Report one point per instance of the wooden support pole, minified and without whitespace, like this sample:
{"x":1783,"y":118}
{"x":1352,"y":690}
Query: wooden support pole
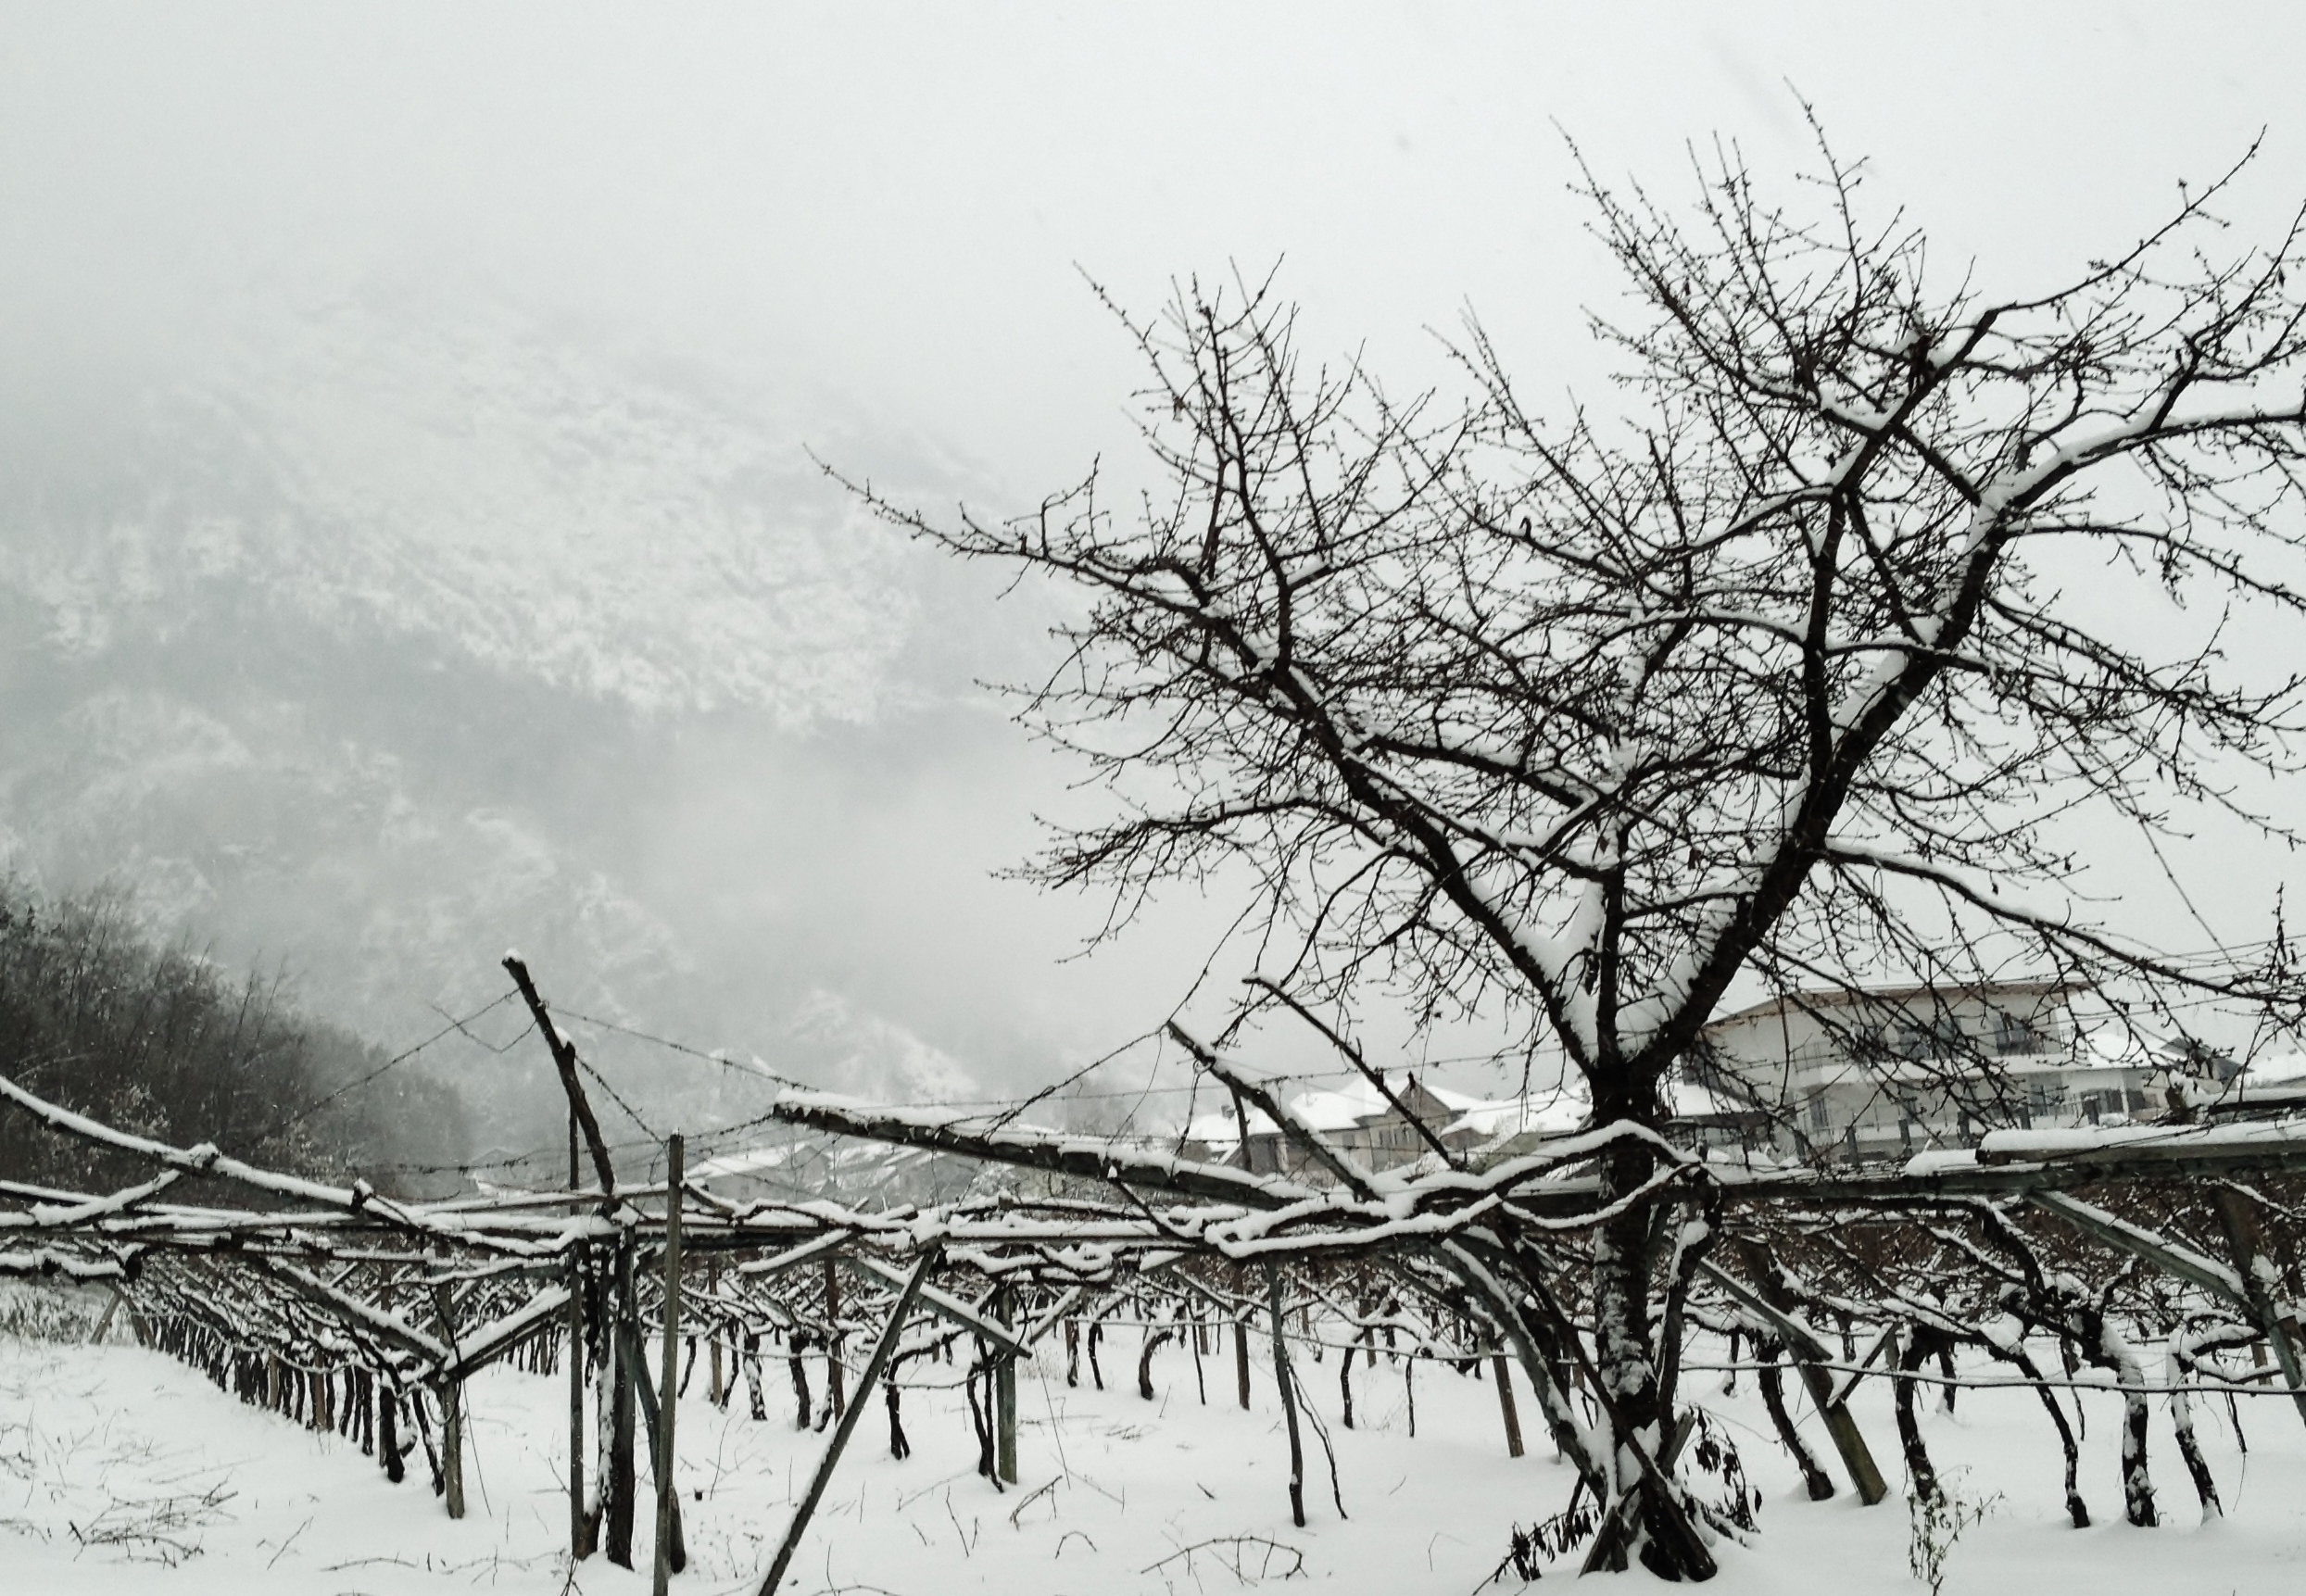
{"x":580,"y":1527}
{"x":644,"y":1390}
{"x":1809,"y":1355}
{"x":2246,"y":1241}
{"x":1005,"y":1395}
{"x":718,"y":1393}
{"x":621,"y":1482}
{"x":998,"y":1334}
{"x":564,"y":1061}
{"x":1240,"y":1341}
{"x":1505,"y":1403}
{"x":2169,"y":1257}
{"x":668,"y":1388}
{"x":873,"y":1367}
{"x":451,"y":1412}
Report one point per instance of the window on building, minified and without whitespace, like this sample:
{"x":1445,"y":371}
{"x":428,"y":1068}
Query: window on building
{"x":2014,"y":1035}
{"x":1818,"y":1118}
{"x":1935,"y":1038}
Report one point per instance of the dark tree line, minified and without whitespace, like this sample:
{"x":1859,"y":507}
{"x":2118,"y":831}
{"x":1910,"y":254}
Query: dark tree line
{"x":157,"y":1038}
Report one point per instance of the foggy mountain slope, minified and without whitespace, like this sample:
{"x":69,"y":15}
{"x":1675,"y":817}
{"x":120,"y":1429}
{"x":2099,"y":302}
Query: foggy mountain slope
{"x":369,"y":647}
{"x":527,"y":501}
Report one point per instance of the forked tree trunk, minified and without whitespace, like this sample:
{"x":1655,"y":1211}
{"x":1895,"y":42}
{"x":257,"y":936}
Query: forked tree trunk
{"x":1624,"y":1354}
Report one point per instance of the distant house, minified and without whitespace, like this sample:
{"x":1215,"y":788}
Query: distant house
{"x":1359,"y":1122}
{"x":1862,"y":1075}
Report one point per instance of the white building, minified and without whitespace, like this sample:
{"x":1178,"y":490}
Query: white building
{"x":1862,"y":1076}
{"x":1361,"y":1124}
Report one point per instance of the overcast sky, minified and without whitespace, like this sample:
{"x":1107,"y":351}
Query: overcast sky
{"x":410,"y":546}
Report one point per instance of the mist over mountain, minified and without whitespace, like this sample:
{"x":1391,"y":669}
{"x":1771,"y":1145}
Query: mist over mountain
{"x":369,"y":640}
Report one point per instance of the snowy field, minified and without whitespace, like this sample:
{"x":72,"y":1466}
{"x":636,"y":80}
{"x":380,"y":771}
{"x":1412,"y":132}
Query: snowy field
{"x":122,"y":1470}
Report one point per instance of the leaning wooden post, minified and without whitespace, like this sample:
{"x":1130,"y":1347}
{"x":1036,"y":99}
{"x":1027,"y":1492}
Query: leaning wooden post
{"x":451,"y":1410}
{"x":824,"y":1475}
{"x":1005,"y":1395}
{"x":1769,"y":1298}
{"x":668,"y":1387}
{"x":1288,"y":1404}
{"x":1505,"y":1403}
{"x":2247,"y":1244}
{"x":564,"y":1060}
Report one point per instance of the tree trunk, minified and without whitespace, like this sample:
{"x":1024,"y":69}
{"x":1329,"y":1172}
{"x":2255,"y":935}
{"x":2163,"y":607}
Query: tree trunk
{"x":1921,"y":1474}
{"x":1283,"y":1378}
{"x":836,"y":1403}
{"x":1624,"y":1357}
{"x":751,"y":1361}
{"x":1814,"y":1477}
{"x":802,"y":1400}
{"x":1154,"y":1340}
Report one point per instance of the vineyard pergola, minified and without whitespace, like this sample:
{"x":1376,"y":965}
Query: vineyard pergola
{"x":2050,"y":1252}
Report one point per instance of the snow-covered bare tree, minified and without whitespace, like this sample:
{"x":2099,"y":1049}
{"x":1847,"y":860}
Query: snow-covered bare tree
{"x":1776,"y":675}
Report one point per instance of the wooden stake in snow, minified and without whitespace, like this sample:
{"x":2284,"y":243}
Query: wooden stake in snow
{"x":622,"y":1330}
{"x":1240,"y":1344}
{"x":1505,"y":1404}
{"x":668,"y":1388}
{"x":451,"y":1413}
{"x":564,"y":1060}
{"x":580,"y":1527}
{"x":1768,"y":1298}
{"x":1005,"y":1396}
{"x":2247,"y":1244}
{"x":718,"y":1395}
{"x":873,"y":1367}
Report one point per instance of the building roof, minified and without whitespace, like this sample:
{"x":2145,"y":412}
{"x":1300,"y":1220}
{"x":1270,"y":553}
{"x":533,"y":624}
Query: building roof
{"x":1854,"y":997}
{"x":1358,"y":1100}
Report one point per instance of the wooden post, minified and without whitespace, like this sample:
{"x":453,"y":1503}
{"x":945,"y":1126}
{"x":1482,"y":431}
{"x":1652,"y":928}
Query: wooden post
{"x":1769,"y":1298}
{"x":451,"y":1410}
{"x":1505,"y":1403}
{"x":668,"y":1387}
{"x":645,"y":1404}
{"x":580,"y":1538}
{"x":719,"y":1392}
{"x":621,"y":1331}
{"x":1288,"y":1405}
{"x":1005,"y":1395}
{"x":1241,"y":1345}
{"x":564,"y":1060}
{"x":873,"y":1367}
{"x":581,"y":1526}
{"x":2247,"y":1244}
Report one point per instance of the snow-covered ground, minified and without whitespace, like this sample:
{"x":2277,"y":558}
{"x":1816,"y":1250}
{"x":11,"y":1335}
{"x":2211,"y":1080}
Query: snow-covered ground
{"x":121,"y":1470}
